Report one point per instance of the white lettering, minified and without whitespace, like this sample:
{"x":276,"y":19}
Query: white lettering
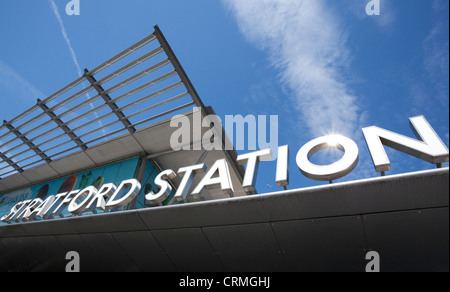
{"x":30,"y":209}
{"x":165,"y":187}
{"x":223,"y":179}
{"x":40,"y":211}
{"x":282,"y":176}
{"x":98,"y":202}
{"x":14,"y":210}
{"x":252,"y":161}
{"x":118,"y":200}
{"x":332,"y":171}
{"x":429,"y":147}
{"x":85,"y":195}
{"x":188,"y":174}
{"x":21,"y":212}
{"x":66,"y":201}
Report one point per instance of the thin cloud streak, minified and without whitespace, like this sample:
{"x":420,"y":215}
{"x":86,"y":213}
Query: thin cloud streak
{"x":20,"y":90}
{"x":72,"y":53}
{"x":66,"y":38}
{"x":306,"y":43}
{"x":17,"y":85}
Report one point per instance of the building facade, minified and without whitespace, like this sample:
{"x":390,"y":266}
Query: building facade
{"x":106,"y":137}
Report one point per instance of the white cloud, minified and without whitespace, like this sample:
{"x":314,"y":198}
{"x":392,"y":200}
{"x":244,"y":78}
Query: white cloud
{"x":430,"y":89}
{"x":308,"y":45}
{"x":436,"y":48}
{"x":387,"y":15}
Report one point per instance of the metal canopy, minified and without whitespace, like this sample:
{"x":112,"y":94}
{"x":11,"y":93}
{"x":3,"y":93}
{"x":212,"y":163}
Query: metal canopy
{"x":140,"y":86}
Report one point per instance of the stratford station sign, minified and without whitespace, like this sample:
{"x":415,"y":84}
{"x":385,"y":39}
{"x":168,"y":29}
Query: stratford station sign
{"x":110,"y":198}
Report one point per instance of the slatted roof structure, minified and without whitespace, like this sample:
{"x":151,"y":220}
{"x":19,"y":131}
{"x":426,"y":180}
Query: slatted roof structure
{"x":135,"y":90}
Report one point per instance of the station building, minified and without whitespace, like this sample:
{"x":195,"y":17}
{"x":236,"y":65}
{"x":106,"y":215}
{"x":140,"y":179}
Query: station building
{"x":114,"y":124}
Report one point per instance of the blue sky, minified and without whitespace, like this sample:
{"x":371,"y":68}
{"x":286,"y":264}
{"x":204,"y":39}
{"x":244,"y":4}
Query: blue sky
{"x":322,"y":65}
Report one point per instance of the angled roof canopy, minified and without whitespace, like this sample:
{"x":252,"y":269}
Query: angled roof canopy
{"x":135,"y":92}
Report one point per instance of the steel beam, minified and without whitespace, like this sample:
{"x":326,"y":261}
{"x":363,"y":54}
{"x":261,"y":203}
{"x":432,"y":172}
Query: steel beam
{"x":108,"y":101}
{"x":61,"y":125}
{"x":27,"y":142}
{"x":10,"y":162}
{"x":178,"y":68}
